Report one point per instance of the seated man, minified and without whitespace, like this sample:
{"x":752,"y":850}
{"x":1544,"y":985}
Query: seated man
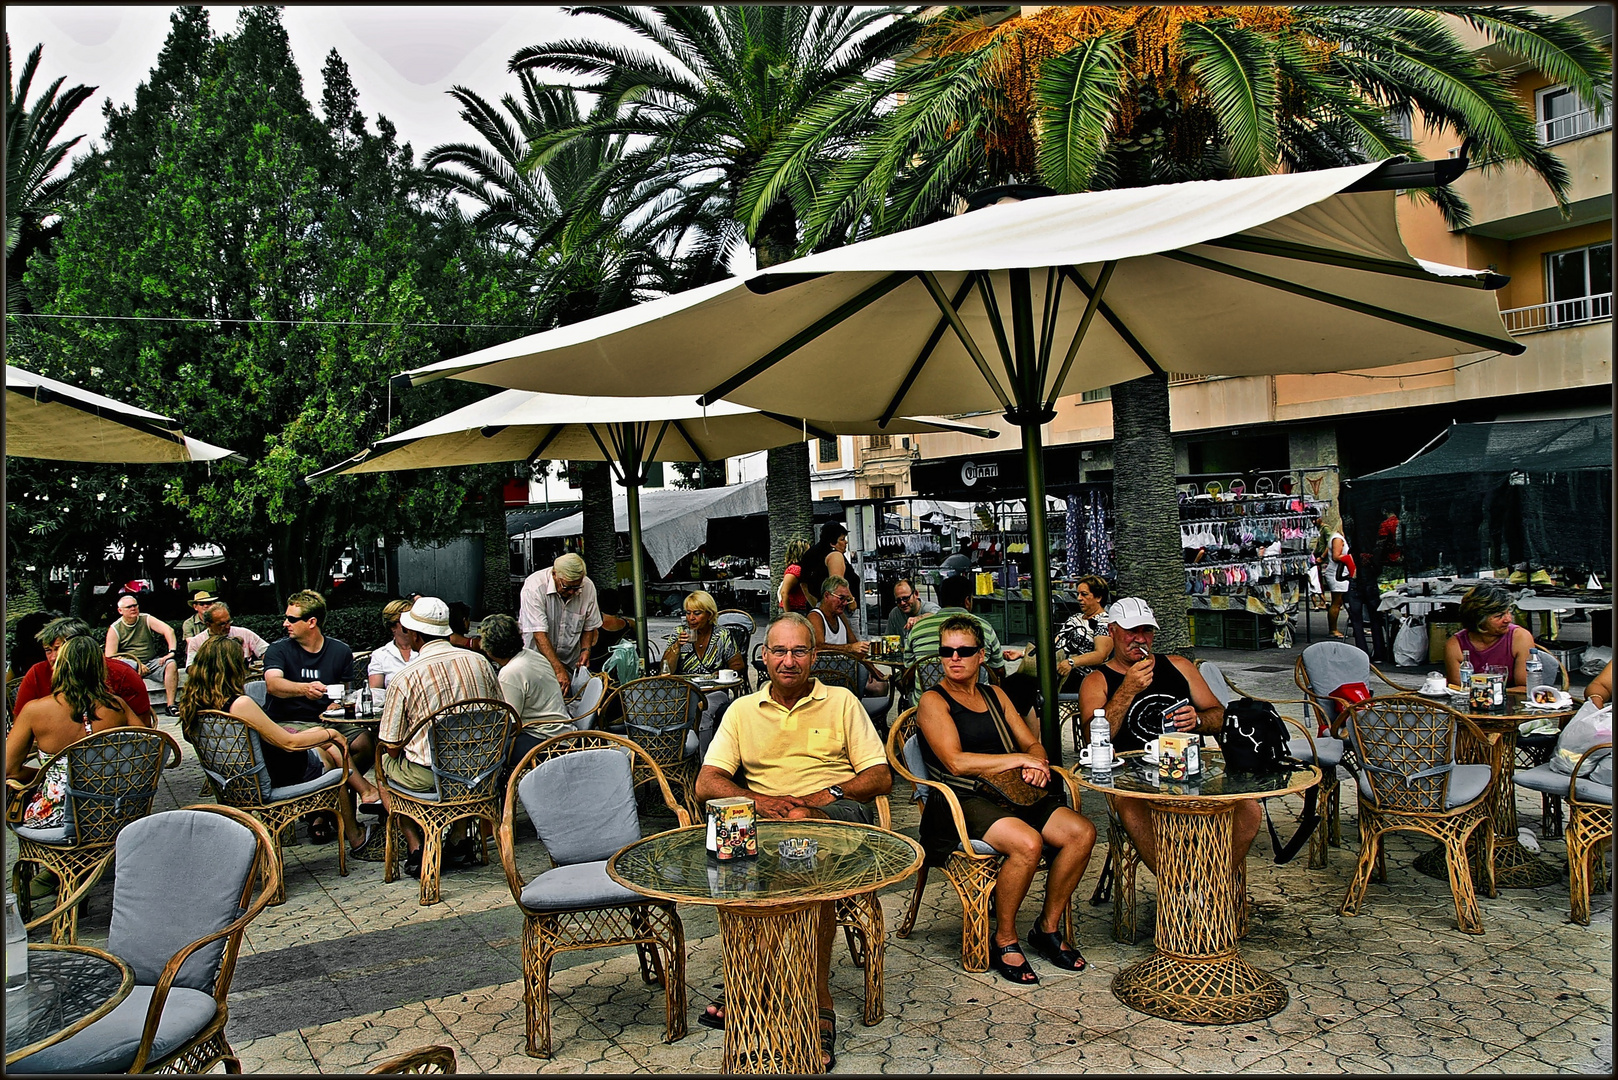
{"x":954,"y":598}
{"x":201,"y":601}
{"x":36,"y":681}
{"x":439,"y":676}
{"x":529,"y":684}
{"x":1136,"y":689}
{"x":143,"y":638}
{"x":806,"y":750}
{"x":216,"y":620}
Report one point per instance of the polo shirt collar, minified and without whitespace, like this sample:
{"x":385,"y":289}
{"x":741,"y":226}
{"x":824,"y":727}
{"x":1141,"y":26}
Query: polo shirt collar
{"x":817,"y":692}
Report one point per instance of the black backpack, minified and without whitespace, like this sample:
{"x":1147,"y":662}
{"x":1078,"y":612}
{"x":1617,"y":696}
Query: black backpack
{"x":1254,"y":741}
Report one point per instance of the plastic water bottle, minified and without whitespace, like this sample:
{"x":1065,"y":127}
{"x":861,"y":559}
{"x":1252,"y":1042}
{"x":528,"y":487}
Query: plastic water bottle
{"x":16,"y":946}
{"x":1100,"y":744}
{"x":1536,"y":669}
{"x":1466,"y":671}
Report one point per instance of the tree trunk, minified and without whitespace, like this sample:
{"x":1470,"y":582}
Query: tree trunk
{"x":496,"y":554}
{"x":786,"y":489}
{"x":600,"y":530}
{"x":1145,"y":512}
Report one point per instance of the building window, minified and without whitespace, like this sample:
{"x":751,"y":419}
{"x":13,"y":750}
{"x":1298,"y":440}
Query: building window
{"x":1401,"y":125}
{"x":1103,"y":394}
{"x":880,"y":442}
{"x":828,"y":450}
{"x":1579,"y":284}
{"x":882,"y":491}
{"x":1562,"y":116}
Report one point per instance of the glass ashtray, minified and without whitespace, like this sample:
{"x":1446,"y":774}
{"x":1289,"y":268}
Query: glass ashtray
{"x":798,"y":847}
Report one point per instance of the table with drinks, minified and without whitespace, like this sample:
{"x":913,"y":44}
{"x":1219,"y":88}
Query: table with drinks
{"x":55,"y":991}
{"x":1196,"y":974}
{"x":768,"y":903}
{"x":1495,"y":708}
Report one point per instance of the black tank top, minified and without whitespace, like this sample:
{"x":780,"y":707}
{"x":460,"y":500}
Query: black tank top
{"x":1144,"y":719}
{"x":978,"y":735}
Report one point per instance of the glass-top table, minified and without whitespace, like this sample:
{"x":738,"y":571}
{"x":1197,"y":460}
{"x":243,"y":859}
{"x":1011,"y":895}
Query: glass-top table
{"x":769,"y":908}
{"x":1196,"y":974}
{"x":69,"y":988}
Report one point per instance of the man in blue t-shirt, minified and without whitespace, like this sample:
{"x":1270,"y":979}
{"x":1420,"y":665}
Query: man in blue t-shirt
{"x":297,"y":670}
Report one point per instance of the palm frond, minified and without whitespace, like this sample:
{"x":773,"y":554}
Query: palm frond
{"x":1236,"y":69}
{"x":1078,"y":94}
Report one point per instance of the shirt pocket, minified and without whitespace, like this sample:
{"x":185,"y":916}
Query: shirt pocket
{"x":823,"y":741}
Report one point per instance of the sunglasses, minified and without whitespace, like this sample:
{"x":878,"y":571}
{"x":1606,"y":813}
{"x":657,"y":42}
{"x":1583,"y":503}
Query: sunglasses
{"x":289,"y":619}
{"x":946,"y":652}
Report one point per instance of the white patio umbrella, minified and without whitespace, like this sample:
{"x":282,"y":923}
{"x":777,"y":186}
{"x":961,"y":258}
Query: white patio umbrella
{"x":1295,"y":273}
{"x":626,"y":432}
{"x":55,"y":420}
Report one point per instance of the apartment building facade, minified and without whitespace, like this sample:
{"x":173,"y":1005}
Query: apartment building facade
{"x":1558,"y":303}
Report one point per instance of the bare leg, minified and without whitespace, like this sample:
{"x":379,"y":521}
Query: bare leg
{"x":171,"y":683}
{"x":1243,"y":828}
{"x":825,"y":940}
{"x":361,"y":755}
{"x":1137,"y":823}
{"x":1074,"y":837}
{"x":1334,"y":611}
{"x":1022,"y":847}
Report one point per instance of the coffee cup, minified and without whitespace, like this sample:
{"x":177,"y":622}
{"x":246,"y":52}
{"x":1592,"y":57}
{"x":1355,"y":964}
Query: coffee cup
{"x":1151,"y":749}
{"x":334,"y":691}
{"x":727,"y":675}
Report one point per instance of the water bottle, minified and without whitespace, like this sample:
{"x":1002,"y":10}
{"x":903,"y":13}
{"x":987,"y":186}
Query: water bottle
{"x":1466,"y":671}
{"x":1536,"y":669}
{"x":1098,"y":755}
{"x":16,"y":946}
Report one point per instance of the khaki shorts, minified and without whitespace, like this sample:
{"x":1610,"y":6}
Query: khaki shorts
{"x":403,"y":772}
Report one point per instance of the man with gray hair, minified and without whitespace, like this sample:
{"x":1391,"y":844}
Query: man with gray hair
{"x":216,"y":623}
{"x":559,"y":614}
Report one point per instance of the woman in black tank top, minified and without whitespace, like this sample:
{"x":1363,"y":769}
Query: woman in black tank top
{"x":969,"y":730}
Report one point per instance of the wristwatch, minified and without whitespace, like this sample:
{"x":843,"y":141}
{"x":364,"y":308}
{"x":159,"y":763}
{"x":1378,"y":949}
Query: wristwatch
{"x":835,"y":791}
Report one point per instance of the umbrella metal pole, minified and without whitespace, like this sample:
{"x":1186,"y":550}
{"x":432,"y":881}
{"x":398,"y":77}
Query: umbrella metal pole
{"x":637,"y":565}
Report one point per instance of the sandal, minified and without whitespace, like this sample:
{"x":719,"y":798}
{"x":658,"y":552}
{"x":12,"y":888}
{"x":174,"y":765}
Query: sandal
{"x":322,"y":829}
{"x":1021,"y":974}
{"x":365,"y":838}
{"x":828,"y":1037}
{"x":1048,"y":943}
{"x":714,"y":1015}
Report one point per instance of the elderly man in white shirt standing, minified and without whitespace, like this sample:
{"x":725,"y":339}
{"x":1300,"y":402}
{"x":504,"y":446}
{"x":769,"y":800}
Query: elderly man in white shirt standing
{"x":559,"y":616}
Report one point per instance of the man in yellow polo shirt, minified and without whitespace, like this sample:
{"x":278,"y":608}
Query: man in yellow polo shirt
{"x":806,"y":750}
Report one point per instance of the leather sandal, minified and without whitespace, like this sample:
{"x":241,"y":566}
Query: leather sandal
{"x":713,"y":1016}
{"x":828,"y":1037}
{"x":1020,"y":974}
{"x":1048,"y":944}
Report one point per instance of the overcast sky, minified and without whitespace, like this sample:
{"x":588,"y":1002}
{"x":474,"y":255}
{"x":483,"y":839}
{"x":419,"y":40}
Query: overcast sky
{"x":402,"y":58}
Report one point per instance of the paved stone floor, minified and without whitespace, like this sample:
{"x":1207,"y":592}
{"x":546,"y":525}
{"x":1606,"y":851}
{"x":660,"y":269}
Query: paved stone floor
{"x":349,"y":972}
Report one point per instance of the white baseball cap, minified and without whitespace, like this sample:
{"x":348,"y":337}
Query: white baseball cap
{"x":1131,"y":612}
{"x":428,"y":615}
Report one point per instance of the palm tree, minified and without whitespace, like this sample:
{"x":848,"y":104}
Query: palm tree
{"x":1086,"y":98}
{"x":715,"y":89}
{"x":32,"y":192}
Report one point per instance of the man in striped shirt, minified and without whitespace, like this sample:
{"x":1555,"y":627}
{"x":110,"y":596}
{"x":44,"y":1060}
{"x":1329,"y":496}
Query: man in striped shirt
{"x":437,"y":676}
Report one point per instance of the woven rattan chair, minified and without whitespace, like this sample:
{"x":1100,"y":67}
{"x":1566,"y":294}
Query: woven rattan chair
{"x":974,"y":865}
{"x":586,"y":707}
{"x":469,"y":741}
{"x":232,"y":757}
{"x":187,"y":884}
{"x":852,"y":674}
{"x":740,"y":625}
{"x":1535,"y":750}
{"x":1324,"y":751}
{"x":112,"y":778}
{"x":660,"y":714}
{"x":1326,"y":665}
{"x":1409,"y":781}
{"x":1589,"y":828}
{"x":578,"y":791}
{"x":423,"y":1059}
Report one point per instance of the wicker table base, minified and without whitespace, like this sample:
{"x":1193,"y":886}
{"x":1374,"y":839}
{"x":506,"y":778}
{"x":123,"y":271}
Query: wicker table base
{"x":1221,"y":990}
{"x":770,"y":1018}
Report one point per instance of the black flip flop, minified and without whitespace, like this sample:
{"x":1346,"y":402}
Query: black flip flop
{"x":1048,"y":944}
{"x":713,"y":1019}
{"x":828,"y":1038}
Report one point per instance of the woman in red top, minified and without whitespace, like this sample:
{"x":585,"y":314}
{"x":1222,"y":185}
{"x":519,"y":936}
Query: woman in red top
{"x":1489,"y":637}
{"x":794,"y":596}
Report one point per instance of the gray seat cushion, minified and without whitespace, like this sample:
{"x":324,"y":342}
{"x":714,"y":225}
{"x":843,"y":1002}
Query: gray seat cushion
{"x":692,"y":744}
{"x":1329,"y":749}
{"x":1466,"y":782}
{"x":330,"y":778}
{"x":180,"y":875}
{"x":578,"y":885}
{"x":980,"y":847}
{"x":582,"y":804}
{"x":1552,"y":781}
{"x":109,"y":1044}
{"x":58,"y":834}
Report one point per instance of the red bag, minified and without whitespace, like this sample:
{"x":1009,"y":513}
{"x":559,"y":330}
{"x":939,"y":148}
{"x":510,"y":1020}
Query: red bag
{"x":1348,"y":694}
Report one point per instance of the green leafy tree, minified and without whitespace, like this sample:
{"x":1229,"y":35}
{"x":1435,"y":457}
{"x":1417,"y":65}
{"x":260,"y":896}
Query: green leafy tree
{"x":1093,"y":97}
{"x":701,"y":99}
{"x":273,"y":269}
{"x":34,"y":188}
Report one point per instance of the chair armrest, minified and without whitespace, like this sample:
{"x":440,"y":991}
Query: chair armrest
{"x":1573,"y":781}
{"x":1314,"y":751}
{"x":1402,"y":689}
{"x":76,"y":895}
{"x":1257,"y":697}
{"x":1073,"y":790}
{"x":884,"y":812}
{"x":1486,"y":742}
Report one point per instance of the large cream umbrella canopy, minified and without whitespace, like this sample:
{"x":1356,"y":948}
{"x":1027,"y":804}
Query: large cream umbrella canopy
{"x":1012,"y":306}
{"x":46,"y":418}
{"x":626,"y":432}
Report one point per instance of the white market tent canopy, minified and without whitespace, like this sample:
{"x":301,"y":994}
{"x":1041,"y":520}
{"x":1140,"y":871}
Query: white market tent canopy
{"x":674,"y":521}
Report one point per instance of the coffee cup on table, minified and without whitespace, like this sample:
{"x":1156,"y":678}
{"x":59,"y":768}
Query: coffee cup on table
{"x":334,"y":691}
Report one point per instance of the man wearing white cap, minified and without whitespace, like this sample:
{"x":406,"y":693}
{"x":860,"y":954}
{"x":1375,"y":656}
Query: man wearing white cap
{"x":1143,"y":693}
{"x":559,"y":615}
{"x":437,"y":676}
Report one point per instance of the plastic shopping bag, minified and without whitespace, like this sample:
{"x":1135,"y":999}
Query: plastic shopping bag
{"x":1410,"y":643}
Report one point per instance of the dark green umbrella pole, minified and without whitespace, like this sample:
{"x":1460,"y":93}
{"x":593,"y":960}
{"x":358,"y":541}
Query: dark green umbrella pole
{"x":637,"y":566}
{"x":631,"y":449}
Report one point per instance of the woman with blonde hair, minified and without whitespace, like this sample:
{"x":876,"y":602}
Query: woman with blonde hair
{"x":217,"y":681}
{"x":80,"y":703}
{"x":388,"y":659}
{"x":702,"y":648}
{"x":794,"y":595}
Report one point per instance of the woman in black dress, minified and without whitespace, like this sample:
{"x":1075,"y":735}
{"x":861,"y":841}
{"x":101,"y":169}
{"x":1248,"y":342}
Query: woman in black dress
{"x":969,"y":730}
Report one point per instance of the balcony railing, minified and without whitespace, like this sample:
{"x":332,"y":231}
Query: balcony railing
{"x":1575,"y":312}
{"x":1560,"y":129}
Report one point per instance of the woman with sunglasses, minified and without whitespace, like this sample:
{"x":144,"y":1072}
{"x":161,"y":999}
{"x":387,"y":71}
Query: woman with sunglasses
{"x":970,"y":730}
{"x":388,"y":659}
